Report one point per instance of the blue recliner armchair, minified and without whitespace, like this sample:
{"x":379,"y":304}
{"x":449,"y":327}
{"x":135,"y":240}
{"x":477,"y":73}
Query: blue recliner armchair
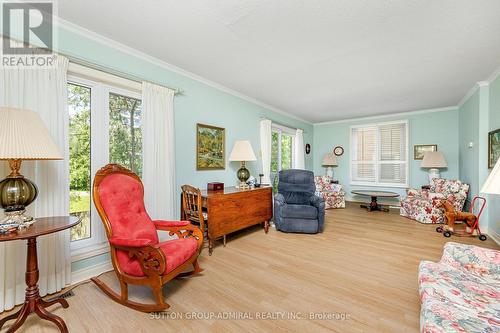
{"x":296,"y":208}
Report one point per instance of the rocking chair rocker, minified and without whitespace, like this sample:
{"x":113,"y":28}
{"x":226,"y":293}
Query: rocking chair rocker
{"x":137,"y":255}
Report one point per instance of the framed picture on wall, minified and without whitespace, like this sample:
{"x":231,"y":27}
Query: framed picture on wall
{"x":210,"y":147}
{"x":493,"y":147}
{"x":420,"y":150}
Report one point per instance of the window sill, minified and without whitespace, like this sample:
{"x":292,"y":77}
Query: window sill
{"x":89,"y":251}
{"x":379,"y":185}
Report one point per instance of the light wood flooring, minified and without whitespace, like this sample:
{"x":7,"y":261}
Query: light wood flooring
{"x":364,"y":267}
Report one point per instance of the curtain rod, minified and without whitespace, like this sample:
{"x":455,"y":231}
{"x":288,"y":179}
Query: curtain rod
{"x":82,"y":62}
{"x":79,"y":61}
{"x":282,"y":125}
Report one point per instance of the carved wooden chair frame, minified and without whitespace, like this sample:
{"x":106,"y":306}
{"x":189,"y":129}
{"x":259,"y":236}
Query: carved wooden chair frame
{"x":151,"y":259}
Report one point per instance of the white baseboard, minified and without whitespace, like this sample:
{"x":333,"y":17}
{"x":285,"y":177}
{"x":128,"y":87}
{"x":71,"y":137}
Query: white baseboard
{"x":88,"y":272}
{"x":494,"y":235}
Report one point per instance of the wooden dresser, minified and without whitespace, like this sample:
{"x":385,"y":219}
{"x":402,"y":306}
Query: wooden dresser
{"x":232,"y":209}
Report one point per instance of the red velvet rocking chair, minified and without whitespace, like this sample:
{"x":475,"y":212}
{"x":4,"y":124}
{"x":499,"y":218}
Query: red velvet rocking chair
{"x":137,"y":255}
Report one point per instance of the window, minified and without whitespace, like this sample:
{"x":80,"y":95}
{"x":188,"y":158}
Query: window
{"x":125,"y":135}
{"x":79,"y":158}
{"x":104,"y":127}
{"x":282,"y":149}
{"x":379,"y":154}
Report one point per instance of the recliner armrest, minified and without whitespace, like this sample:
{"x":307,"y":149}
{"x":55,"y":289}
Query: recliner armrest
{"x":128,"y":242}
{"x":316,"y":201}
{"x":279,"y":199}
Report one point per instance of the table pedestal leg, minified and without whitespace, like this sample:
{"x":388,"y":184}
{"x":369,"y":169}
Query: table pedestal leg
{"x":374,"y":206}
{"x":33,"y":302}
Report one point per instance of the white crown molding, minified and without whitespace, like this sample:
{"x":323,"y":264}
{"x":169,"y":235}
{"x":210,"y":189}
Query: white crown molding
{"x":74,"y":28}
{"x":69,"y":26}
{"x":399,"y":114}
{"x":493,"y":75}
{"x":479,"y":84}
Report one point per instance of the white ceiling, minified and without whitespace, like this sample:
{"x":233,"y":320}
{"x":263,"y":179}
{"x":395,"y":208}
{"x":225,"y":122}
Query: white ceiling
{"x":319,"y":60}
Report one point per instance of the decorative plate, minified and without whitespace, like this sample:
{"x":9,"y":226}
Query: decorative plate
{"x":338,"y":150}
{"x":8,"y":227}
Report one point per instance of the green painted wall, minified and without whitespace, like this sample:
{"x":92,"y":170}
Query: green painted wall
{"x":439,"y":128}
{"x":200,"y":103}
{"x":469,"y":132}
{"x":479,"y":115}
{"x":494,"y":123}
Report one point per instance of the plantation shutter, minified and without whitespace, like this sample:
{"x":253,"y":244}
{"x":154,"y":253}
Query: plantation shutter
{"x":379,"y":154}
{"x":392,"y":153}
{"x":363,"y":164}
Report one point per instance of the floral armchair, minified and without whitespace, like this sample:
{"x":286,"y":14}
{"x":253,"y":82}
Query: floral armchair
{"x":420,"y":205}
{"x":333,"y":194}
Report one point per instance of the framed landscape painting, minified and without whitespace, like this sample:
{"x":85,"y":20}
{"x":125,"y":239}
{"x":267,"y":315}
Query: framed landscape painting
{"x":210,"y":147}
{"x":493,"y":147}
{"x":420,"y":150}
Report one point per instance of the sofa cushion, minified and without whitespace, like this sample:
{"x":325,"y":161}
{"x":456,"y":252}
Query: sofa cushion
{"x":176,"y":252}
{"x":300,"y":212}
{"x":461,"y":293}
{"x":456,"y":301}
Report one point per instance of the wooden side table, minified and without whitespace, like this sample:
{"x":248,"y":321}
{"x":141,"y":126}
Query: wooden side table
{"x":33,"y":302}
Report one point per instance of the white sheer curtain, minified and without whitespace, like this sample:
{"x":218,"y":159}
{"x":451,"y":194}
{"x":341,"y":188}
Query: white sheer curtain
{"x":265,"y":148}
{"x":158,"y":150}
{"x":299,"y":150}
{"x":43,"y":90}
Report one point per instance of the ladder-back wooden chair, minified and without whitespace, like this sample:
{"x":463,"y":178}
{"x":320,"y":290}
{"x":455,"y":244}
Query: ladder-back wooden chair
{"x":192,"y":208}
{"x":137,"y":255}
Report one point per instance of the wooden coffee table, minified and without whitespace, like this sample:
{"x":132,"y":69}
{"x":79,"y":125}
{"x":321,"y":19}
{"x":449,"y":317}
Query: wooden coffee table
{"x":374,"y":206}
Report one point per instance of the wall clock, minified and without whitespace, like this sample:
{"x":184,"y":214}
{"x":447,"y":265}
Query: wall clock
{"x":308,"y":148}
{"x":338,"y":150}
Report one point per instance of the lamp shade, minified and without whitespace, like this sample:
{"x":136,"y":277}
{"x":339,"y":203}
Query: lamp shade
{"x":492,"y":183}
{"x":242,"y":151}
{"x":433,"y":159}
{"x":329,"y":160}
{"x":24,"y":136}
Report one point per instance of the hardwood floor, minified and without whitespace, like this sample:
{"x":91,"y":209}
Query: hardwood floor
{"x":363,"y":266}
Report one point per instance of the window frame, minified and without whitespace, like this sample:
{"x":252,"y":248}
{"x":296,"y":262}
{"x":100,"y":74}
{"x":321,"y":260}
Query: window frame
{"x":101,"y":85}
{"x":280,"y":130}
{"x":377,"y":161}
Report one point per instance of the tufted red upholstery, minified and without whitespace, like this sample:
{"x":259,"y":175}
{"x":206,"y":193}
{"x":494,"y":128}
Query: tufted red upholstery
{"x":122,"y":198}
{"x":176,"y":251}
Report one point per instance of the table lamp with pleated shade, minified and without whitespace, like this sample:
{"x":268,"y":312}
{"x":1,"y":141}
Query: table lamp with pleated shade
{"x":329,"y":161}
{"x":23,"y":136}
{"x":242,"y":152}
{"x":433,"y":160}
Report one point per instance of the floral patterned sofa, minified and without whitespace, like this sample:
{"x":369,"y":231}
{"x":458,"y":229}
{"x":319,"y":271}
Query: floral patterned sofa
{"x":333,"y":194}
{"x":461,"y":293}
{"x":420,"y":205}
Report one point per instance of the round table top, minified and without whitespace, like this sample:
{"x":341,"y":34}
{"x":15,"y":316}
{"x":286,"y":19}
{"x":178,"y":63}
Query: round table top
{"x":385,"y":194}
{"x":42,"y":226}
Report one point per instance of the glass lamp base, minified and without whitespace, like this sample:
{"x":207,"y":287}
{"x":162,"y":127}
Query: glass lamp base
{"x":18,"y":217}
